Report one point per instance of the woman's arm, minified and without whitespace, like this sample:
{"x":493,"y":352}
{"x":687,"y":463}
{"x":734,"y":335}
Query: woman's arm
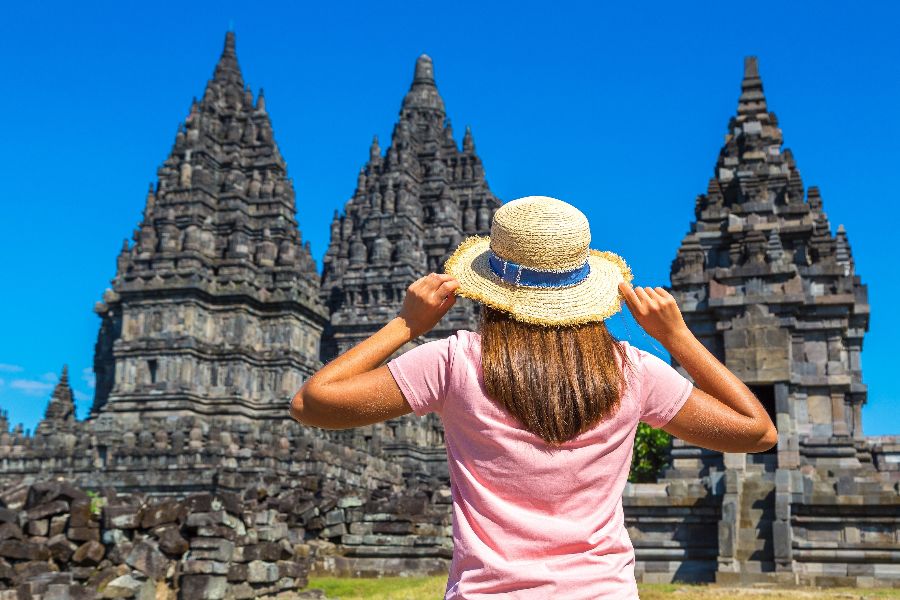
{"x":355,"y":389}
{"x":723,"y":414}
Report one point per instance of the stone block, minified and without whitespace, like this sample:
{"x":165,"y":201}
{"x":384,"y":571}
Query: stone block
{"x":22,"y":550}
{"x":361,"y":528}
{"x":167,"y":511}
{"x":392,"y":527}
{"x":334,"y":516}
{"x":121,"y":517}
{"x":61,"y":549}
{"x":212,"y":549}
{"x":783,"y":506}
{"x":268,"y":551}
{"x":11,"y":531}
{"x":47,"y":509}
{"x":261,"y":572}
{"x":89,"y":553}
{"x":80,"y":514}
{"x":350,"y":501}
{"x":215,"y":518}
{"x":291,"y":568}
{"x":782,"y":538}
{"x":39,"y":527}
{"x":207,"y":502}
{"x":273,"y":533}
{"x":222,"y":531}
{"x":203,"y":587}
{"x":58,"y":524}
{"x":8,"y":516}
{"x":191,"y":566}
{"x":146,"y":557}
{"x":124,"y":586}
{"x":83,"y":534}
{"x":351,"y":539}
{"x":334,"y":530}
{"x":171,"y":542}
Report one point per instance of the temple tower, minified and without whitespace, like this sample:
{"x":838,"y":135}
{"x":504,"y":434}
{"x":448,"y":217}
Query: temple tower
{"x":214,"y":308}
{"x":772,"y":292}
{"x":412,"y":206}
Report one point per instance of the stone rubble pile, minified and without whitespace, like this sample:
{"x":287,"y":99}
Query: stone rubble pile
{"x":57,"y":541}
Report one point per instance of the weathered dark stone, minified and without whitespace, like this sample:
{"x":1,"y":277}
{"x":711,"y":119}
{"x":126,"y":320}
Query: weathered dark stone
{"x":212,"y":549}
{"x":171,"y":541}
{"x":23,"y":550}
{"x":8,"y":516}
{"x":146,"y":557}
{"x":32,"y":569}
{"x":168,"y":511}
{"x":211,"y":587}
{"x":83,"y":534}
{"x":214,"y":502}
{"x":81,"y":514}
{"x":89,"y":553}
{"x":266,"y":551}
{"x":11,"y":531}
{"x":48,"y":491}
{"x":121,"y":517}
{"x":47,"y":509}
{"x":61,"y":549}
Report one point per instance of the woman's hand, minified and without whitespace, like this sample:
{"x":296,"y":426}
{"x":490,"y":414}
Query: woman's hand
{"x":655,"y":310}
{"x":721,"y":412}
{"x":427,"y":301}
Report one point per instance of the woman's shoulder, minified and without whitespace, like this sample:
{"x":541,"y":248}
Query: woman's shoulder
{"x":467,"y":342}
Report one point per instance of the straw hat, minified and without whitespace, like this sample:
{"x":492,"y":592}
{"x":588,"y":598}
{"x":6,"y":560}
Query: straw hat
{"x":537,"y":265}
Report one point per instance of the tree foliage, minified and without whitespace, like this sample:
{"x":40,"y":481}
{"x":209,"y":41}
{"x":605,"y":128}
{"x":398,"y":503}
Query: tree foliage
{"x":650,"y":454}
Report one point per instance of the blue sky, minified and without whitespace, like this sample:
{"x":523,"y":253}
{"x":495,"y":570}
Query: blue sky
{"x":618,"y":108}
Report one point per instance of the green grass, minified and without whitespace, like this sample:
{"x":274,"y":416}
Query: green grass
{"x":386,"y":588}
{"x":425,"y":588}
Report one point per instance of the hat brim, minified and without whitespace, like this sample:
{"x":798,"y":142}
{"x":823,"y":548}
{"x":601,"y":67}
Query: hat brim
{"x":595,"y":298}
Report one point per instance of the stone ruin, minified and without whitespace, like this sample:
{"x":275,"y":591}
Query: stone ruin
{"x":60,"y":542}
{"x":216,"y":316}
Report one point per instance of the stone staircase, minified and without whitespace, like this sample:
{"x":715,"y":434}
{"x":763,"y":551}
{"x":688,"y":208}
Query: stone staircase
{"x":753,"y":559}
{"x":757,"y":512}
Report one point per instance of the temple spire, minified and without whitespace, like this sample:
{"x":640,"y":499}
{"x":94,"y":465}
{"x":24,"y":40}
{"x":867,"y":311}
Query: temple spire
{"x":61,"y":408}
{"x":468,"y":141}
{"x":424,"y":74}
{"x":423,"y":93}
{"x":752,"y":100}
{"x":227,"y":69}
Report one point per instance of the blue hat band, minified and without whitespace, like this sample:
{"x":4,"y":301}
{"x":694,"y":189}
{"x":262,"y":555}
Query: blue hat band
{"x":518,"y":275}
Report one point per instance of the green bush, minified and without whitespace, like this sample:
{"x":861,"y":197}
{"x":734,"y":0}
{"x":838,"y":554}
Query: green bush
{"x":650,"y":454}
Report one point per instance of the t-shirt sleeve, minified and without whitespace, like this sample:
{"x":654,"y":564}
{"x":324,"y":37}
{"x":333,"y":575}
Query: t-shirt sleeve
{"x":423,"y":374}
{"x":663,"y":390}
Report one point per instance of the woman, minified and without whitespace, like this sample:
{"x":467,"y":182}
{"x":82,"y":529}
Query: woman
{"x":539,"y":407}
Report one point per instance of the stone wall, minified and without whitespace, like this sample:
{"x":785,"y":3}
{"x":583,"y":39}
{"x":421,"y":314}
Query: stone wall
{"x":58,"y":542}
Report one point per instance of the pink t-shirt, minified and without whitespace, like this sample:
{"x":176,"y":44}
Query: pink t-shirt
{"x":530,"y":521}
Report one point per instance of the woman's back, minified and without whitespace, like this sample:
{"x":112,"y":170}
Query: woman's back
{"x":537,"y":502}
{"x":531,"y":519}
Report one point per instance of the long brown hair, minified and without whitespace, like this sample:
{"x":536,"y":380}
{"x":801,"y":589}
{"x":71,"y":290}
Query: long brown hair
{"x":558,"y":381}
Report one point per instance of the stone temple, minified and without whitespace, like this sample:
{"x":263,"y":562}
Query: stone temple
{"x":201,"y":486}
